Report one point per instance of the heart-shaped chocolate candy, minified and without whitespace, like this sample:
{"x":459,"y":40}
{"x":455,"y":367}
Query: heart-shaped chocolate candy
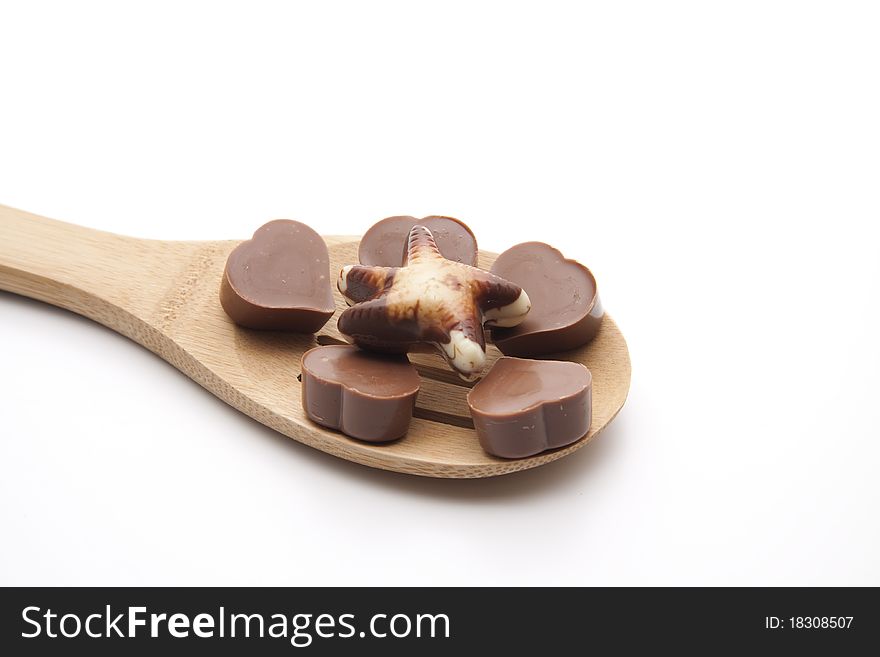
{"x":279,"y":280}
{"x":385,"y":243}
{"x":364,"y":395}
{"x":523,"y":407}
{"x":566,"y":311}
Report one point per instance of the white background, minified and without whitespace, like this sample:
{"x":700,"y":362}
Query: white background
{"x":715,"y":164}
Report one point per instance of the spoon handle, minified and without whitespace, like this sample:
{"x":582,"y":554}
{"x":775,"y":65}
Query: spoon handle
{"x":109,"y":278}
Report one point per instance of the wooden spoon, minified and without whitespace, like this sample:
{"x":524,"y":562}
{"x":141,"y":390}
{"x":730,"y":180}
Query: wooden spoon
{"x":164,"y":296}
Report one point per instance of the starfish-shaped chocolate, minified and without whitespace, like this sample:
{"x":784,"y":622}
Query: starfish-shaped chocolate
{"x":429,"y":300}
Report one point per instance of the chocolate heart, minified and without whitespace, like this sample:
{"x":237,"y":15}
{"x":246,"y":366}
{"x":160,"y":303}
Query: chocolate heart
{"x":384,"y":245}
{"x":522,"y":407}
{"x":566,"y":311}
{"x":279,"y":279}
{"x":364,"y":395}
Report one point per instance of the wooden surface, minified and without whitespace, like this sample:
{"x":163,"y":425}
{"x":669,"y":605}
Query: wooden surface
{"x":164,"y":296}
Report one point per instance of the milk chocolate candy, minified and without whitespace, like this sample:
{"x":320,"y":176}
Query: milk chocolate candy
{"x":430,"y":300}
{"x":279,"y":280}
{"x":385,"y":244}
{"x":566,"y":312}
{"x":523,"y":407}
{"x":364,"y":395}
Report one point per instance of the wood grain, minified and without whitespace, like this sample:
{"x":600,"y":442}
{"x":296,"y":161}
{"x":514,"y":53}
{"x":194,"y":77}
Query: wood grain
{"x":164,"y":296}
